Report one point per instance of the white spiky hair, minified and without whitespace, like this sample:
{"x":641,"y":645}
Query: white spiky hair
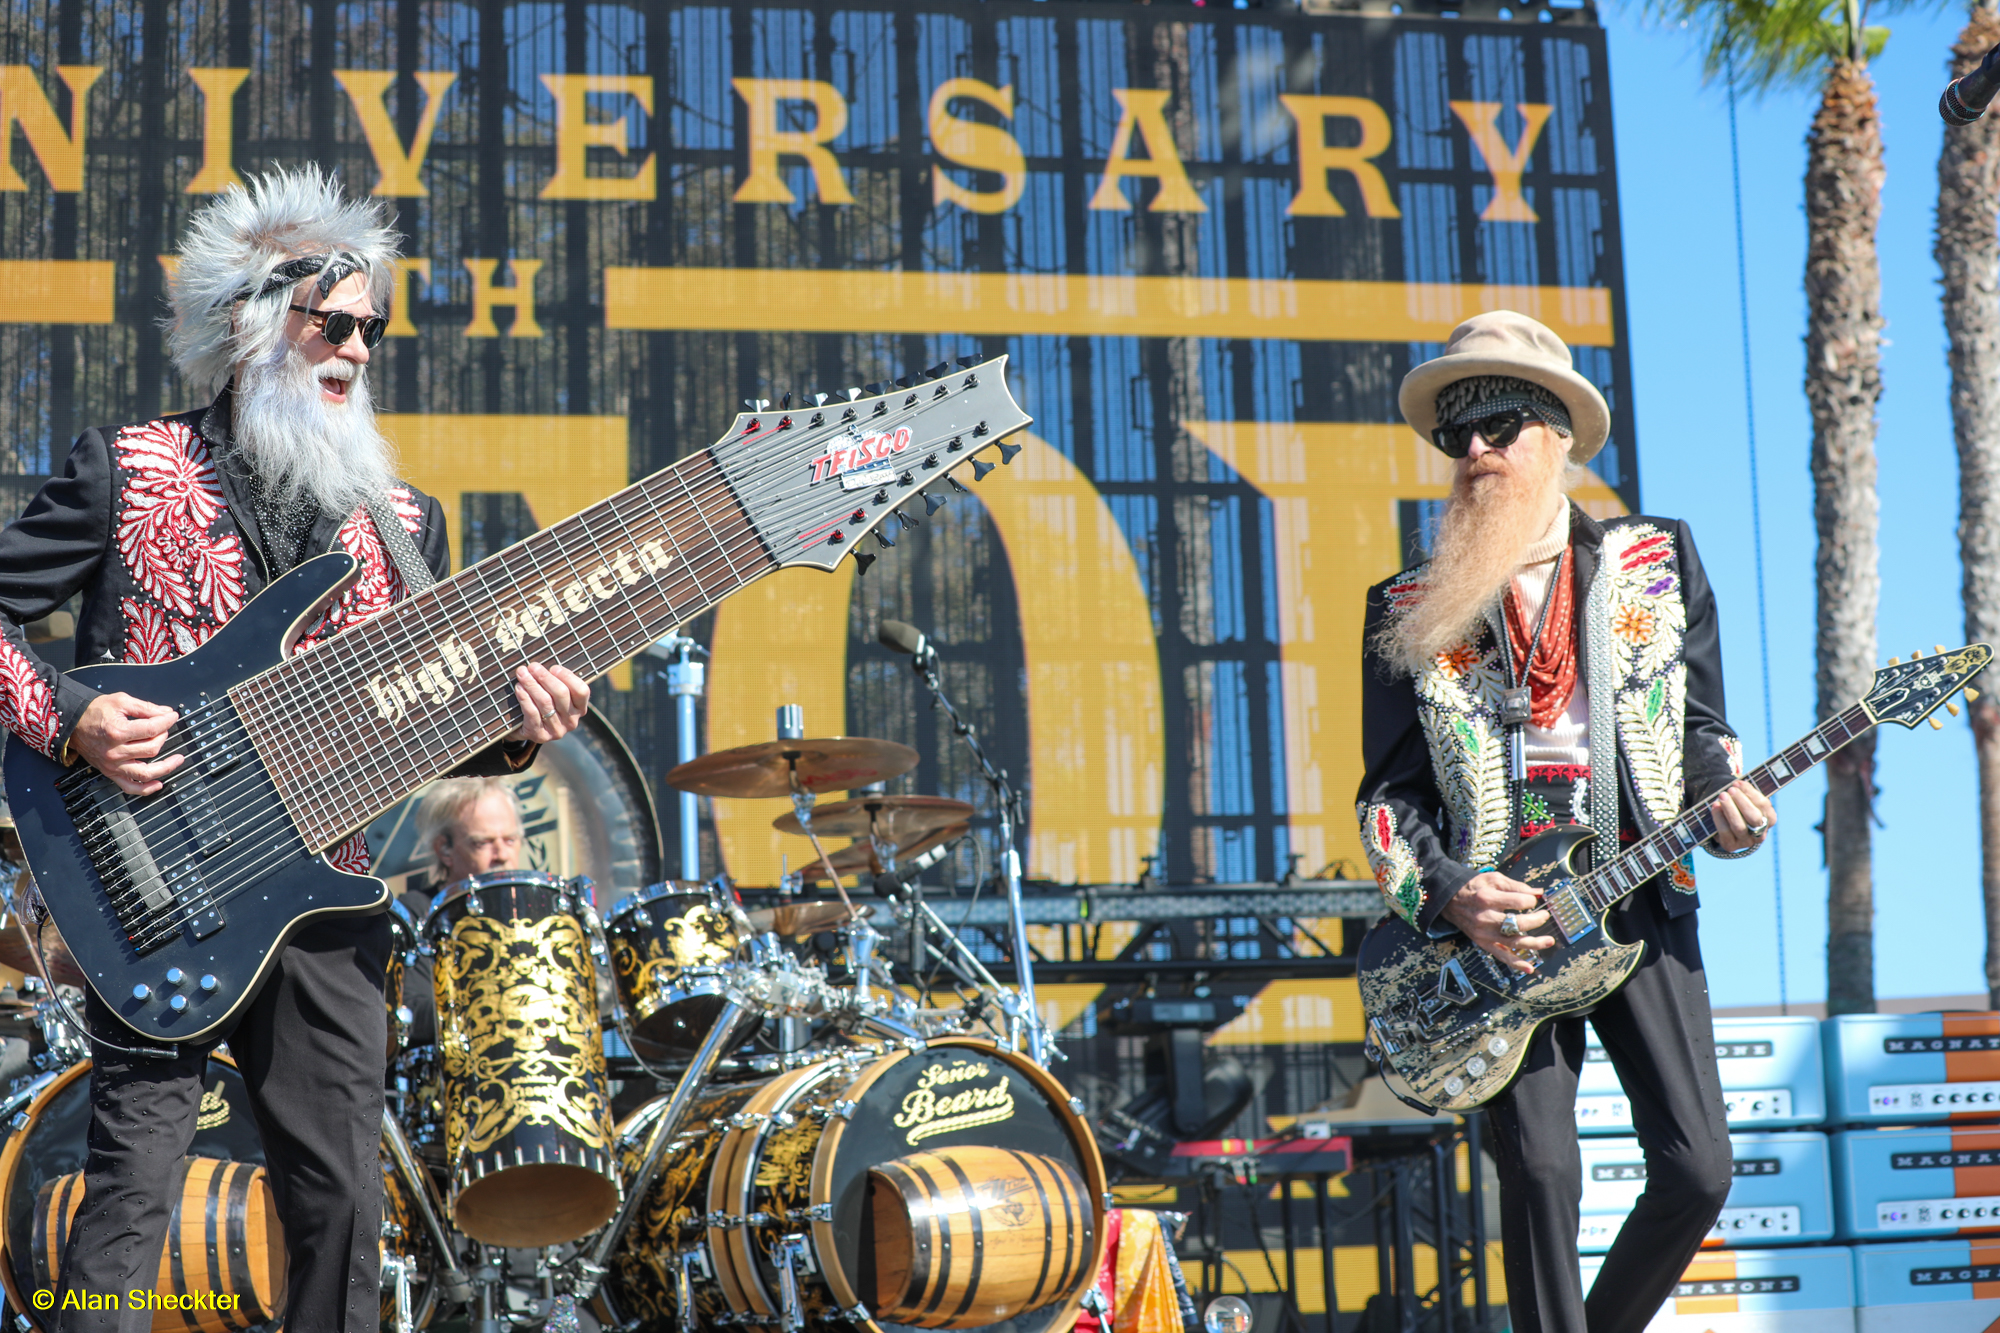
{"x":229,"y":297}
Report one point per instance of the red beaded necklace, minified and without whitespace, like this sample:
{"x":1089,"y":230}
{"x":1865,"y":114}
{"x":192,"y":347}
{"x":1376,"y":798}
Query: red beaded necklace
{"x":1551,"y":674}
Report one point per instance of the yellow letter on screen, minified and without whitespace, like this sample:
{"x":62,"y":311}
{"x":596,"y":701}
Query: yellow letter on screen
{"x":1482,"y":122}
{"x":967,"y":143}
{"x":577,"y":134}
{"x":768,"y":143}
{"x":1144,"y":110}
{"x":401,"y":172}
{"x":1317,"y":157}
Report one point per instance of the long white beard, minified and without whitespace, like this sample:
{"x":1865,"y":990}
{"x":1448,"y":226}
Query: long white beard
{"x":298,"y":444}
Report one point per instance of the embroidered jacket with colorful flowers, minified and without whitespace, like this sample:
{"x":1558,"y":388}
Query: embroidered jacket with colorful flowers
{"x":1433,"y":803}
{"x":152,"y":524}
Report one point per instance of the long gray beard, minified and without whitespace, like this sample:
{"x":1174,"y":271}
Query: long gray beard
{"x":299,"y":446}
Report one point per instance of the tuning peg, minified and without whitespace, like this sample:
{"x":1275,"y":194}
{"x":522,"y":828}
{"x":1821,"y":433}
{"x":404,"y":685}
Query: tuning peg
{"x":932,"y":503}
{"x":1007,"y":452}
{"x":1940,"y":650}
{"x":819,"y":400}
{"x":853,"y":394}
{"x":785,"y":403}
{"x":905,"y":520}
{"x":750,"y":403}
{"x":1952,"y":709}
{"x":1915,"y":654}
{"x":980,"y":469}
{"x":883,"y":539}
{"x":940,"y":370}
{"x":960,"y":487}
{"x":905,"y":381}
{"x":1971,"y":695}
{"x":863,"y":559}
{"x":1895,"y":661}
{"x":1935,"y":724}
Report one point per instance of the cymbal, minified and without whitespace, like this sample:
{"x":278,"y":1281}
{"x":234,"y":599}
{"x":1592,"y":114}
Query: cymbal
{"x":831,"y":763}
{"x":803,"y":918}
{"x":859,"y":858}
{"x":895,"y":819}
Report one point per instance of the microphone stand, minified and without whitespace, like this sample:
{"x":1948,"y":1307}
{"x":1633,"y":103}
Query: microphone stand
{"x":1023,"y":1016}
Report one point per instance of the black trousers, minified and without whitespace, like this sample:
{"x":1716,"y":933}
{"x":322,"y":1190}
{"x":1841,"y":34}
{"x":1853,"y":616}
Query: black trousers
{"x":1658,"y":1034}
{"x":310,"y":1046}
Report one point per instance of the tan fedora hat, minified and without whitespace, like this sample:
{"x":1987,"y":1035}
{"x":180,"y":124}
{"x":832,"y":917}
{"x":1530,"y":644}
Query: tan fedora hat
{"x":1505,"y":342}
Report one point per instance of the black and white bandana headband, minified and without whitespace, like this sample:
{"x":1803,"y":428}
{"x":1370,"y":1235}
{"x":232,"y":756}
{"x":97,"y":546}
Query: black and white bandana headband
{"x":1479,"y":396}
{"x":332,"y":268}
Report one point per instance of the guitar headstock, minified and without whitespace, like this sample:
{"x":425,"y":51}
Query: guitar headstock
{"x":1908,"y":692}
{"x":819,"y":475}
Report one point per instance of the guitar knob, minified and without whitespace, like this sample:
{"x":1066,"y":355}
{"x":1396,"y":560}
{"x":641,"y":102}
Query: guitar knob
{"x":175,"y":976}
{"x":178,"y":1004}
{"x":142,"y":992}
{"x":208,"y":982}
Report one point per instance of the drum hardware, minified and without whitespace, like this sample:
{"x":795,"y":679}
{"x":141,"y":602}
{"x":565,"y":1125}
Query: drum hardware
{"x":888,"y":822}
{"x":689,"y":1259}
{"x":590,"y":1264}
{"x":792,"y":1256}
{"x":452,"y":1282}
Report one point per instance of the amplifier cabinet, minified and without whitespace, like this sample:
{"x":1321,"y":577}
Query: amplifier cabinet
{"x":1808,"y":1290}
{"x":1948,"y":1286}
{"x":1772,"y":1077}
{"x":1898,"y":1184}
{"x":1782,"y":1192}
{"x":1900,"y":1069}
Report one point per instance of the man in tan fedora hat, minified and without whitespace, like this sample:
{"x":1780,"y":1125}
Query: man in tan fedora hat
{"x":1545,"y":668}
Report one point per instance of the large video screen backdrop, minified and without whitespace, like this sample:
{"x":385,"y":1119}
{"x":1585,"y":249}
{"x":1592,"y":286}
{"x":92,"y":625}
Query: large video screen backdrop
{"x":1211,"y":244}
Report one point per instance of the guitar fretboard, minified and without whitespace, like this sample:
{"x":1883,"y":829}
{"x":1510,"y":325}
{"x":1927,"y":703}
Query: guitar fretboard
{"x":1658,"y":850}
{"x":354,"y":724}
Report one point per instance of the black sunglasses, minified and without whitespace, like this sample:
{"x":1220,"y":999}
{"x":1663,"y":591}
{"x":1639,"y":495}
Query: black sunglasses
{"x":1499,"y":430}
{"x":337,"y":326}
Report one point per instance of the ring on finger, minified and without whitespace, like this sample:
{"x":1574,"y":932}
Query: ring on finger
{"x":548,"y":713}
{"x":1758,"y":829}
{"x":1510,"y":925}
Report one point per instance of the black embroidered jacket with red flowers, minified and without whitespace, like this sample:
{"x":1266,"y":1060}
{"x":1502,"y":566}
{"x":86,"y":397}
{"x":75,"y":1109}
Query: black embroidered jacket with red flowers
{"x":153,"y":524}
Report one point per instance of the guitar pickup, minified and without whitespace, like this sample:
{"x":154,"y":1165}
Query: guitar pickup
{"x":1570,"y":915}
{"x":205,"y":827}
{"x":128,"y":850}
{"x":213,"y":731}
{"x":203,"y":919}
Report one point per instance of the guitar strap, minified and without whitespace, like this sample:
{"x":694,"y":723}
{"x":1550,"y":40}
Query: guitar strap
{"x":395,"y":537}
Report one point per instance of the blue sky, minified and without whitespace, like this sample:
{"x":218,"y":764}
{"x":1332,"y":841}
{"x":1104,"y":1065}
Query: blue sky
{"x":1689,"y":382}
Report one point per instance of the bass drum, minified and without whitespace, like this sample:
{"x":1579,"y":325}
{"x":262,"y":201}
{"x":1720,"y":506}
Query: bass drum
{"x":225,"y":1225}
{"x":949,"y":1184}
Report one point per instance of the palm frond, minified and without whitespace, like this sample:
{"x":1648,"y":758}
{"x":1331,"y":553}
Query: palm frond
{"x":1765,"y":44}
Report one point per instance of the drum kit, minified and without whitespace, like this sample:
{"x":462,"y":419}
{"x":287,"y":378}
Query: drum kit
{"x":756,"y":1129}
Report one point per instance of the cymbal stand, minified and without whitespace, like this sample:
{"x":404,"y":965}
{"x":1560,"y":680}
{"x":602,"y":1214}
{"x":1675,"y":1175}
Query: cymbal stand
{"x":1024,"y":1017}
{"x":590,"y":1263}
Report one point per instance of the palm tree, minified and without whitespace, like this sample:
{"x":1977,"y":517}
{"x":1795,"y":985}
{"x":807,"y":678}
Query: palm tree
{"x":1765,"y":44}
{"x":1968,"y":254}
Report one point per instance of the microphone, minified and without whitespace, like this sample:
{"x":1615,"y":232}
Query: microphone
{"x":901,"y":637}
{"x":890,"y":883}
{"x":1966,"y":98}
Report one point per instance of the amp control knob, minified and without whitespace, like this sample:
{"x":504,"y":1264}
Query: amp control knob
{"x":208,"y":981}
{"x":142,"y":992}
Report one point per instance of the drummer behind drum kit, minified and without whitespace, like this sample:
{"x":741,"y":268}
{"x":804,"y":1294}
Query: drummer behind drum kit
{"x":898,"y":1170}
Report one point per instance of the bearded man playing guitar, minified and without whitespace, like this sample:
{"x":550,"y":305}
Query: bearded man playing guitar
{"x":166,"y":528}
{"x":1545,"y":668}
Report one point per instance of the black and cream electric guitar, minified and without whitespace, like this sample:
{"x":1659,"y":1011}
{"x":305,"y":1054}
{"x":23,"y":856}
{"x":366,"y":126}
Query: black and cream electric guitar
{"x":1454,"y":1025}
{"x":175,"y":904}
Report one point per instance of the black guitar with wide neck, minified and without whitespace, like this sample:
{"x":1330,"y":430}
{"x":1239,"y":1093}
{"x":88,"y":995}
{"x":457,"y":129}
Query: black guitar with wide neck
{"x":175,"y":904}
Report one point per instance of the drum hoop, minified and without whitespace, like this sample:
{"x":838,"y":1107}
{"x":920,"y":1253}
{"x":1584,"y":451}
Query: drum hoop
{"x":667,"y":888}
{"x":828,"y":1149}
{"x":460,"y":888}
{"x":730,"y":1181}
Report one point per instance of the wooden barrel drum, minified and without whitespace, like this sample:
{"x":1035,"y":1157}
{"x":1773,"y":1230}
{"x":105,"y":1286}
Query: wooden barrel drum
{"x":969,"y":1236}
{"x":223,"y":1239}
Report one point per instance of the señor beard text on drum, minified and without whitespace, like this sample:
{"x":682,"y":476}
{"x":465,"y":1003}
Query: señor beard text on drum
{"x":925,"y":1113}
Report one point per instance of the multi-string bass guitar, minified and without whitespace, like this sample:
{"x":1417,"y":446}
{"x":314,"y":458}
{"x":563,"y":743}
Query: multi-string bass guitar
{"x":175,"y":904}
{"x":1454,"y":1025}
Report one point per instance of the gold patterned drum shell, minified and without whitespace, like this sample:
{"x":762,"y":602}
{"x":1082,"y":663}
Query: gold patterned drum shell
{"x":795,"y":1158}
{"x":674,"y":949}
{"x":526,"y":1109}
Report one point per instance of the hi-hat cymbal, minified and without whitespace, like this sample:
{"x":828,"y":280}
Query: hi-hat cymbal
{"x":859,"y":859}
{"x":803,"y":918}
{"x":894,"y":819}
{"x":831,"y":763}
